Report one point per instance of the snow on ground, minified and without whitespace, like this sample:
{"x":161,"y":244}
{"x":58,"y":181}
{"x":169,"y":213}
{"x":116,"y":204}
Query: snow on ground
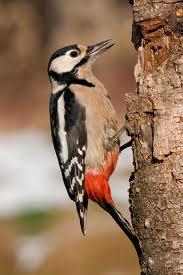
{"x":30,"y":176}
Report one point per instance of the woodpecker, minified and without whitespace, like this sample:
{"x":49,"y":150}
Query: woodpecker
{"x":85,"y":131}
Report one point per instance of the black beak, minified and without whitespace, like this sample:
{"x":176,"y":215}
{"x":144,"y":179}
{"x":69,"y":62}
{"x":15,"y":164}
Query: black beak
{"x":97,"y":49}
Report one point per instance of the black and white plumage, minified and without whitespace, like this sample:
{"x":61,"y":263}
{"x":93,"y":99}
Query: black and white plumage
{"x":85,"y":131}
{"x":67,"y":118}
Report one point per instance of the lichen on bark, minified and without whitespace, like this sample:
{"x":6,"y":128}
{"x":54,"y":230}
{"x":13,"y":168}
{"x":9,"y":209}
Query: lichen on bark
{"x":156,"y":114}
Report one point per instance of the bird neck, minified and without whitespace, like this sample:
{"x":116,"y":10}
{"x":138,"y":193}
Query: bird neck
{"x":82,"y":76}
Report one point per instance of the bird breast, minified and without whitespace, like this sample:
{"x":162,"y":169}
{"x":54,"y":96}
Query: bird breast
{"x":101,"y":122}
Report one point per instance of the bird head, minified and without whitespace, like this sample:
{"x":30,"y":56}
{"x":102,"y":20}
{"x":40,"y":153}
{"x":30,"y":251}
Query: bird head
{"x":66,"y":62}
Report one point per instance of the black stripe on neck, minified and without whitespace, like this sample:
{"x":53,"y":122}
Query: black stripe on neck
{"x":69,"y":78}
{"x":64,"y":78}
{"x":83,"y":82}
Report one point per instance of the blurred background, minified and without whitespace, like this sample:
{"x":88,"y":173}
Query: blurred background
{"x":39,"y":228}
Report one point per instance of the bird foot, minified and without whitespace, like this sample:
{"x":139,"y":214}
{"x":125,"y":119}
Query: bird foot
{"x":116,"y":138}
{"x":130,"y":132}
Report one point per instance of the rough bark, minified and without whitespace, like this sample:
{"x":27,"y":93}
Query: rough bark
{"x":155,"y":113}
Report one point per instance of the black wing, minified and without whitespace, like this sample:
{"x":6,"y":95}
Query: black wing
{"x":73,"y":169}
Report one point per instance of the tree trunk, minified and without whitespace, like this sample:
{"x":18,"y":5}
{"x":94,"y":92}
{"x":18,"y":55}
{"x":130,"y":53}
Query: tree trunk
{"x":155,"y":113}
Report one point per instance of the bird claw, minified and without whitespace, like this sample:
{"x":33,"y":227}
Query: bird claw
{"x":116,"y":138}
{"x":130,"y":132}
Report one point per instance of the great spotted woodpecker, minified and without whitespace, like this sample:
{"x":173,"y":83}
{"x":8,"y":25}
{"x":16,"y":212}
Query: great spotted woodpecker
{"x":85,"y":131}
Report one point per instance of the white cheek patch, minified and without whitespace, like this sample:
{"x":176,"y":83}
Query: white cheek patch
{"x":65,"y":63}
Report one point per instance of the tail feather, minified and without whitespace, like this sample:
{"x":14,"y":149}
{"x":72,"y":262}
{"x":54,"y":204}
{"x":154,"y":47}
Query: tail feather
{"x":82,"y":213}
{"x":125,"y":226}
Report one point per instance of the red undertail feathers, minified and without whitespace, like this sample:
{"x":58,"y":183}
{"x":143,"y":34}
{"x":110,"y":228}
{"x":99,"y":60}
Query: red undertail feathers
{"x":96,"y":181}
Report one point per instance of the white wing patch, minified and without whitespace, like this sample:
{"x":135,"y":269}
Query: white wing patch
{"x":62,"y":133}
{"x":80,"y":152}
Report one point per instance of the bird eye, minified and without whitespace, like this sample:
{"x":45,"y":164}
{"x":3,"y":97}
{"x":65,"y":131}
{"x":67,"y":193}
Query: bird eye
{"x":74,"y":54}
